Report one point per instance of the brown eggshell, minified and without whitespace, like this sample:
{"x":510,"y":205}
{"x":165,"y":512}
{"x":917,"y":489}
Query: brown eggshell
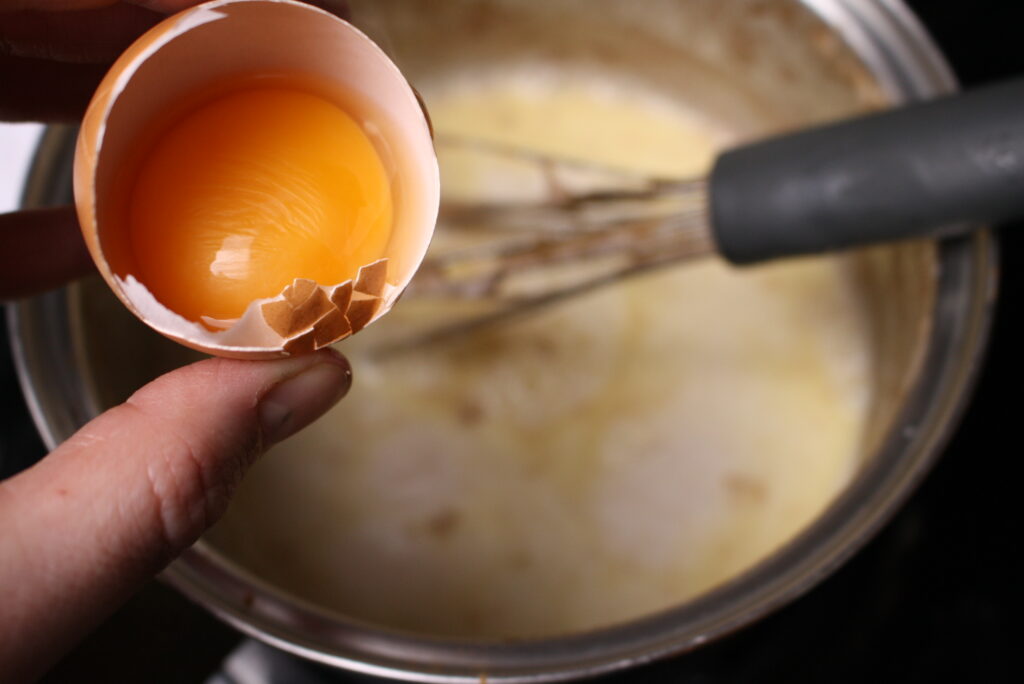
{"x":191,"y":55}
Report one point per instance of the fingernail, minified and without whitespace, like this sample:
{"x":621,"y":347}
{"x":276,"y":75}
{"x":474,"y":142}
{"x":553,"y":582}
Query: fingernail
{"x":301,"y":399}
{"x":338,"y":8}
{"x":165,"y":6}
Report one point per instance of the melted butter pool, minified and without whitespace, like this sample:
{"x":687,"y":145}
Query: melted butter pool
{"x":607,"y":458}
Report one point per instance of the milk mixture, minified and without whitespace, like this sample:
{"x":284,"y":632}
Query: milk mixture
{"x":609,"y":457}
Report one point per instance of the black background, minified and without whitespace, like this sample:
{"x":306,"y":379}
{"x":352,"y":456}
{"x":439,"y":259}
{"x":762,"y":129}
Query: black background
{"x":932,"y":598}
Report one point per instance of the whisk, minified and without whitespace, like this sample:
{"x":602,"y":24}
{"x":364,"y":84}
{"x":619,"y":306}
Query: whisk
{"x":933,"y":168}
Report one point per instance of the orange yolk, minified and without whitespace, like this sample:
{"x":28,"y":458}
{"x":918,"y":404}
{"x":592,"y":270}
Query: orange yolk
{"x":251,"y":191}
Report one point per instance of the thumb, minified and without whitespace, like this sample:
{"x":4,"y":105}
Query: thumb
{"x":136,"y":486}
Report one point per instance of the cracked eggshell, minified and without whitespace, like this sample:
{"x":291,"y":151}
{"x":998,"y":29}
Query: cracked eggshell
{"x":199,"y":52}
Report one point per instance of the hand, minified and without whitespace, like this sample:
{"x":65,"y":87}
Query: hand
{"x":94,"y":520}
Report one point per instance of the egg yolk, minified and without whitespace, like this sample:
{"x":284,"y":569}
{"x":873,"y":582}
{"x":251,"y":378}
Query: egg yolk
{"x":251,"y":191}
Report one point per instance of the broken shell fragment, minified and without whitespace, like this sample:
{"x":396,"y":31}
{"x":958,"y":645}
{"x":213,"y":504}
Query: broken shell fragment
{"x":225,"y":47}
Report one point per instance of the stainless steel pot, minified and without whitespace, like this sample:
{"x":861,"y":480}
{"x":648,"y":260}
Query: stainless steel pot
{"x":853,"y":53}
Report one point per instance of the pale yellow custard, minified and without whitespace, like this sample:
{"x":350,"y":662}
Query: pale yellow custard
{"x":600,"y":460}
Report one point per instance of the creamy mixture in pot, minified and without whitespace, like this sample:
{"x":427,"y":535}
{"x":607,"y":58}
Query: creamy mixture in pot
{"x":594,"y":462}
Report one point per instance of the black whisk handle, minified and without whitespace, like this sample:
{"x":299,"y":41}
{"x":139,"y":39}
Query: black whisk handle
{"x":937,"y":166}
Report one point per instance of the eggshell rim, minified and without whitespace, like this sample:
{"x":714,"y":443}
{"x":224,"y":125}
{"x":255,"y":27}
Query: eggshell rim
{"x":110,"y":88}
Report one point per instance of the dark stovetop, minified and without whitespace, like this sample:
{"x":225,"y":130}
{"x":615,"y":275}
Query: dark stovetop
{"x":932,"y":597}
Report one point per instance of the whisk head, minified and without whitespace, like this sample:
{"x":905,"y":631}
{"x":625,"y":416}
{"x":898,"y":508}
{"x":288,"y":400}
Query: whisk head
{"x":563,"y":228}
{"x":579,"y":216}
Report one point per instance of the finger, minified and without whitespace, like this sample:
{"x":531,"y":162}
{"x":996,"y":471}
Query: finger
{"x":41,"y":90}
{"x":91,"y":35}
{"x":97,"y":34}
{"x":38,"y":86}
{"x":164,"y":6}
{"x":93,"y":520}
{"x":40,"y":249}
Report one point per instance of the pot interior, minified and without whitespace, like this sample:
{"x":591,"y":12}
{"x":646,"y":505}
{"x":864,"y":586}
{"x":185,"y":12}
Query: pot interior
{"x":612,"y":456}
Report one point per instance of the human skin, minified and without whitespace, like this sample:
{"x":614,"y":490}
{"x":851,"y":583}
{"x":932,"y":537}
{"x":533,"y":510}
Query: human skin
{"x":104,"y":512}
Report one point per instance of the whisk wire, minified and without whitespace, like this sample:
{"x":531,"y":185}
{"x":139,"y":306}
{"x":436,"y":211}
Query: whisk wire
{"x":589,"y":227}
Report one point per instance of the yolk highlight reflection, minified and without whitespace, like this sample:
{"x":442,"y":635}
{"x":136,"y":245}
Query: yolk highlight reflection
{"x":251,"y":191}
